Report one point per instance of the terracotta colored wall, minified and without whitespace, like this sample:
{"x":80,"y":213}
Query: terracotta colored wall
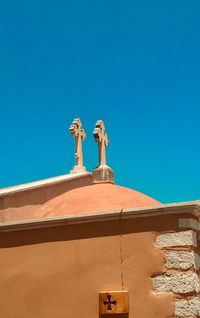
{"x":19,"y":205}
{"x":58,"y":272}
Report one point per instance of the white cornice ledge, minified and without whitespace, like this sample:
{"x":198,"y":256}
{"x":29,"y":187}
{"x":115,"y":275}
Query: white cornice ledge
{"x":192,"y":208}
{"x":41,"y":183}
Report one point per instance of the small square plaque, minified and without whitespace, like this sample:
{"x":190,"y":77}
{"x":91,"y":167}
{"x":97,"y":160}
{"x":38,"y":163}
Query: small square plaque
{"x":113,"y":302}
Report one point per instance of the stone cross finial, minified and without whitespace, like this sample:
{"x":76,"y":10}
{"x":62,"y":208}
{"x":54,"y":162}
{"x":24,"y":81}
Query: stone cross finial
{"x":102,"y":173}
{"x":79,"y":135}
{"x":102,"y":140}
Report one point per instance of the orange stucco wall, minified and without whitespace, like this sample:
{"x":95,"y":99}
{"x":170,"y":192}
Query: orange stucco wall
{"x":58,"y":272}
{"x":18,"y":206}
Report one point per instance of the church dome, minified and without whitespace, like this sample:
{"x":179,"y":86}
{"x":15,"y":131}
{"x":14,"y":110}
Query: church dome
{"x":101,"y":197}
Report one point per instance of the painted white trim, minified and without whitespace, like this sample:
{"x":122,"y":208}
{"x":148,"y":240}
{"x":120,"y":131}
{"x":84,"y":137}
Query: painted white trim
{"x":41,"y":183}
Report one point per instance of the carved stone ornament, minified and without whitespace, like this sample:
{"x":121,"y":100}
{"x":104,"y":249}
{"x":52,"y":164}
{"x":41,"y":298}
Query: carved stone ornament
{"x":103,"y":173}
{"x":79,"y":135}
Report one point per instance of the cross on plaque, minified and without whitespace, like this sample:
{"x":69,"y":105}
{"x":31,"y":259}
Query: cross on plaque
{"x":113,"y":302}
{"x":79,"y":135}
{"x":102,"y":140}
{"x":109,"y":302}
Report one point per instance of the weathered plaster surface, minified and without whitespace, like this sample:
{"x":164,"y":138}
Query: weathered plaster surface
{"x":63,"y":269}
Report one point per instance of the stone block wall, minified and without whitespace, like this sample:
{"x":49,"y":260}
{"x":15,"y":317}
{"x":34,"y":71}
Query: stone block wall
{"x":182,"y":264}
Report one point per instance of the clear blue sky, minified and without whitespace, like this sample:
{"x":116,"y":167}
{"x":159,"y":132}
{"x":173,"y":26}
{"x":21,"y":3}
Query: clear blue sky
{"x":134,"y":64}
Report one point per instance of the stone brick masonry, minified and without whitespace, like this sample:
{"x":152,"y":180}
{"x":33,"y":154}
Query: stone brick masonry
{"x":182,"y":264}
{"x":184,"y":238}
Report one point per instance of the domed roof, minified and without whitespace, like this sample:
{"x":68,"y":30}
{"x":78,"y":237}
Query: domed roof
{"x":94,"y":198}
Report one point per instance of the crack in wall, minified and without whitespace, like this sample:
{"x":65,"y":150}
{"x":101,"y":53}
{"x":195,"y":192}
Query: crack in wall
{"x":120,"y":248}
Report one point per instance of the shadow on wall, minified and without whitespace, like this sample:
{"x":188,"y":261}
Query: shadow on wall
{"x":88,"y":230}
